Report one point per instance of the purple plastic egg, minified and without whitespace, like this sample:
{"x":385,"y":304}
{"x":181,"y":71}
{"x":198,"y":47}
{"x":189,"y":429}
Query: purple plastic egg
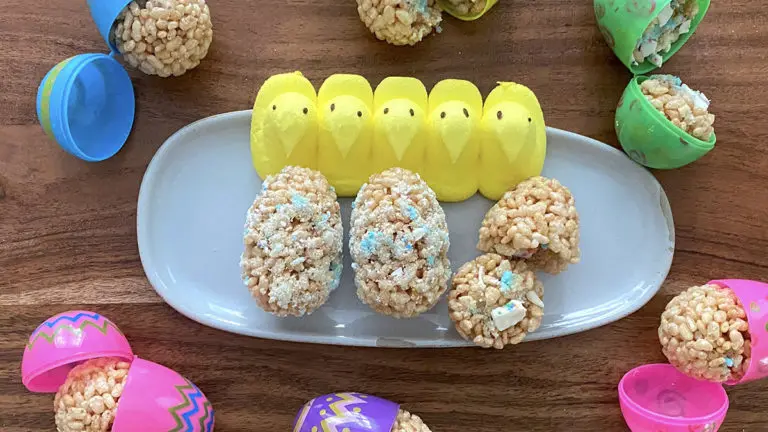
{"x":346,"y":412}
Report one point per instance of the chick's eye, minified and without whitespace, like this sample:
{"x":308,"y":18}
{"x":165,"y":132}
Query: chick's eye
{"x":359,"y":113}
{"x":274,"y":107}
{"x":411,"y":111}
{"x":305,"y":110}
{"x":466,"y":113}
{"x":442,"y":114}
{"x":386,"y":110}
{"x":529,"y":119}
{"x":499,"y":115}
{"x":333,"y":107}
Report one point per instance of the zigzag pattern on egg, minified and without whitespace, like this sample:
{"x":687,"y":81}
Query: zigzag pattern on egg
{"x":72,"y":323}
{"x":459,"y":144}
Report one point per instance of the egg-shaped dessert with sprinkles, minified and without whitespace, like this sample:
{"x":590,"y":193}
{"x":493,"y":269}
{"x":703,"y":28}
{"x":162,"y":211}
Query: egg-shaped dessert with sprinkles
{"x":399,"y":244}
{"x":293,"y":243}
{"x":495,"y":301}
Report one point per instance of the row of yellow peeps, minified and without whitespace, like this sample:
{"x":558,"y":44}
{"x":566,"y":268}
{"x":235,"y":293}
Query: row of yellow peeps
{"x":457,"y":143}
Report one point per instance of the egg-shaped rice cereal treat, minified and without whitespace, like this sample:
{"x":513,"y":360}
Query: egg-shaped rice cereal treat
{"x":407,"y":422}
{"x":536,"y":221}
{"x":495,"y":302}
{"x":704,"y":333}
{"x":164,"y":37}
{"x":88,"y":400}
{"x":400,"y":22}
{"x":399,"y":244}
{"x":686,"y":108}
{"x":293,"y":243}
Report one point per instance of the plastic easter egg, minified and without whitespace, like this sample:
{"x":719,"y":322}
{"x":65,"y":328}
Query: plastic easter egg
{"x":352,"y":412}
{"x":65,"y":340}
{"x":623,"y":23}
{"x":754,"y":297}
{"x":158,"y":399}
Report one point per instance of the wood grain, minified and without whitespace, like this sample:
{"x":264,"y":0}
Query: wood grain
{"x":67,"y":228}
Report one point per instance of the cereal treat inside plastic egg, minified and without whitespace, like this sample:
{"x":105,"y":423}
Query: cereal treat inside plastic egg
{"x":400,"y":22}
{"x":399,"y":244}
{"x":495,"y":302}
{"x":467,"y":7}
{"x":686,"y":108}
{"x":704,"y":333}
{"x":407,"y":422}
{"x":88,"y":400}
{"x":164,"y":37}
{"x":537,"y":221}
{"x":672,"y":22}
{"x":293,"y":243}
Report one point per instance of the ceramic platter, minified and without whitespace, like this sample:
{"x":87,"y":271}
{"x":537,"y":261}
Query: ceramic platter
{"x":199,"y":185}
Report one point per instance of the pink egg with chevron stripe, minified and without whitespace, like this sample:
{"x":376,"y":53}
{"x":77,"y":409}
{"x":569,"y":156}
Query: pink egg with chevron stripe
{"x":158,"y":399}
{"x":65,"y":340}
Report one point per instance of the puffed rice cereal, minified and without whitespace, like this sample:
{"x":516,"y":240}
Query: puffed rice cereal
{"x":495,"y":302}
{"x":293,"y":243}
{"x":684,"y":107}
{"x":537,"y":221}
{"x":399,"y":244}
{"x":467,"y":7}
{"x":88,"y":399}
{"x":673,"y":21}
{"x":704,"y":334}
{"x":400,"y":22}
{"x":164,"y":37}
{"x":407,"y":422}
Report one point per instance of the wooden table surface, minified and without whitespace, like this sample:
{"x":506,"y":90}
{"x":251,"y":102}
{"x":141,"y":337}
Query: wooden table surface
{"x":68,"y":236}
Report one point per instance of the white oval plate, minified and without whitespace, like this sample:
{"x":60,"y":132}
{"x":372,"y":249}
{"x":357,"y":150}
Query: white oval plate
{"x":199,"y":185}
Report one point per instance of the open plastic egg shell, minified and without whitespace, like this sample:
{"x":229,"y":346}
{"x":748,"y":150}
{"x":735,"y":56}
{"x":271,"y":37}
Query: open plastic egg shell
{"x":154,"y":398}
{"x":352,"y":412}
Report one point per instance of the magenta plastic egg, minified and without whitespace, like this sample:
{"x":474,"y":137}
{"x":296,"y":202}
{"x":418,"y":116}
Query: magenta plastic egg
{"x":349,"y":412}
{"x":157,"y":399}
{"x":65,"y":340}
{"x":754,"y":298}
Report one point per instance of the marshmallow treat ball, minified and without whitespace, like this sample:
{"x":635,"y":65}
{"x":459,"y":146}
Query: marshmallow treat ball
{"x":703,"y":333}
{"x":293,"y":243}
{"x":495,"y":302}
{"x":88,"y":400}
{"x":536,"y":221}
{"x":399,"y":244}
{"x":407,"y":422}
{"x":400,"y":22}
{"x":164,"y":37}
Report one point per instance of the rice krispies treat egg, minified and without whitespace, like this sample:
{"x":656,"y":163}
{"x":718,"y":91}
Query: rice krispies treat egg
{"x":164,"y":37}
{"x":293,"y":243}
{"x":400,"y":22}
{"x":495,"y":302}
{"x":704,"y":333}
{"x":537,"y":221}
{"x":407,"y":422}
{"x":673,"y":21}
{"x":88,"y":400}
{"x":686,"y":108}
{"x":399,"y":244}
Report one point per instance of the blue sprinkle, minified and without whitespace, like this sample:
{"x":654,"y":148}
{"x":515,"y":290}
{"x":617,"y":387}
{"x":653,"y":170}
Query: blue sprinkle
{"x":298,"y":200}
{"x":408,"y":246}
{"x":509,"y":306}
{"x":324,"y":217}
{"x":506,"y":279}
{"x":353,"y":204}
{"x":293,"y":237}
{"x":279,"y":207}
{"x":369,"y":243}
{"x":262,"y":244}
{"x":728,"y":362}
{"x":545,"y":245}
{"x":421,"y":6}
{"x":263,"y":187}
{"x":412,"y":213}
{"x":431,"y":260}
{"x":332,"y":189}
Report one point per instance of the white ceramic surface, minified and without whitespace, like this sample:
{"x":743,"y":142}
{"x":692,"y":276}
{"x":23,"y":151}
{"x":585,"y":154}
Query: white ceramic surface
{"x":199,"y":185}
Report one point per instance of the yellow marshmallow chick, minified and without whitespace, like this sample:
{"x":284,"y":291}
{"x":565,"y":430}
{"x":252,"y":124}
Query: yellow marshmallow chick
{"x":400,"y":126}
{"x":284,"y":124}
{"x":514,"y":139}
{"x":452,"y":156}
{"x":345,"y":136}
